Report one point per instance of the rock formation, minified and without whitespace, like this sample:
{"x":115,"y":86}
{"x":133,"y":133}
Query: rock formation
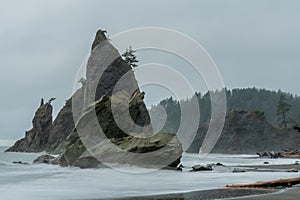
{"x":61,"y":128}
{"x":113,"y":125}
{"x":104,"y":61}
{"x":109,"y":97}
{"x":36,"y":139}
{"x":46,"y":159}
{"x":248,"y":133}
{"x":198,"y":168}
{"x":115,"y":145}
{"x":45,"y":135}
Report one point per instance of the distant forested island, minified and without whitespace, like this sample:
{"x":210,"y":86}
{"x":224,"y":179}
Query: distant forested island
{"x":248,"y":99}
{"x":257,"y":120}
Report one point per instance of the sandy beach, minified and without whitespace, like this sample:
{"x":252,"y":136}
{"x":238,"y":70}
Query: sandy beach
{"x":289,"y":194}
{"x":227,"y":194}
{"x":204,"y":195}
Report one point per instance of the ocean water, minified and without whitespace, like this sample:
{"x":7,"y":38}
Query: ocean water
{"x":47,"y":182}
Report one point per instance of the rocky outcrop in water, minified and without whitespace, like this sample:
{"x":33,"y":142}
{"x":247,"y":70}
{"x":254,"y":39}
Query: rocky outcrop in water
{"x":114,"y":124}
{"x":46,"y":159}
{"x":112,"y":144}
{"x":104,"y":69}
{"x":109,"y":98}
{"x":37,"y":138}
{"x":199,"y":168}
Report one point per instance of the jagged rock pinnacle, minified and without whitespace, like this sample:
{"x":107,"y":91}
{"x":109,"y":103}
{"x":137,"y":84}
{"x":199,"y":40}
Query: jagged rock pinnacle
{"x":100,"y":37}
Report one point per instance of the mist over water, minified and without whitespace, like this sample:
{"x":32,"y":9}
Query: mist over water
{"x":47,"y":182}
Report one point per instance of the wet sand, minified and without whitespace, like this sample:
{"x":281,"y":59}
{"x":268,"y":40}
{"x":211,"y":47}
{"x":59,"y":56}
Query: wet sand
{"x":227,"y":194}
{"x":204,"y":195}
{"x":289,"y":194}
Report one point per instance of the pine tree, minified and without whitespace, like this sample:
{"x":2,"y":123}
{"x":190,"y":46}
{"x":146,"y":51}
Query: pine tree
{"x":130,"y":57}
{"x":283,"y":109}
{"x":51,"y":100}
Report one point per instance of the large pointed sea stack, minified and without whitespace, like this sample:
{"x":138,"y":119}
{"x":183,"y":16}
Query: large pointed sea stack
{"x":114,"y":120}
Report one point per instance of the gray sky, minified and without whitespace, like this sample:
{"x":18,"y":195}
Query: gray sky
{"x":253,"y":42}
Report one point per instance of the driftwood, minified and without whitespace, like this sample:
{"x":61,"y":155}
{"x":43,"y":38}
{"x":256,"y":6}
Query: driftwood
{"x":292,"y":151}
{"x":271,"y":154}
{"x":287,"y":153}
{"x":270,"y":184}
{"x":292,"y":156}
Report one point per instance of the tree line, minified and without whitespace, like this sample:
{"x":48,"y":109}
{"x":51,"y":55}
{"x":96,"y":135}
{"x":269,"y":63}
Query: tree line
{"x":280,"y":109}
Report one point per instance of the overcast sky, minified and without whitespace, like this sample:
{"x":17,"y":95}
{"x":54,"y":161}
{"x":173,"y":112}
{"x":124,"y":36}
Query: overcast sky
{"x":43,"y":43}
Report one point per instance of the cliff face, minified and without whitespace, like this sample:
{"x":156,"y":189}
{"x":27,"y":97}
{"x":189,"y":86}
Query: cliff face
{"x":248,"y":133}
{"x":105,"y":68}
{"x":36,"y":139}
{"x":61,"y":128}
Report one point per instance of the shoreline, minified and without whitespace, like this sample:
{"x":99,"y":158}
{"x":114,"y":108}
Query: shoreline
{"x":292,"y":193}
{"x":222,"y":193}
{"x":225,"y":194}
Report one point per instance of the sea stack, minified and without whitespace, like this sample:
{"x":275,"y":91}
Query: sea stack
{"x":36,"y":139}
{"x":109,"y":105}
{"x":106,"y":120}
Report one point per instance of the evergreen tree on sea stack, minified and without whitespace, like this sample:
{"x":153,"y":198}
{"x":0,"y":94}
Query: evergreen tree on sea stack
{"x":130,"y":57}
{"x":51,"y":100}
